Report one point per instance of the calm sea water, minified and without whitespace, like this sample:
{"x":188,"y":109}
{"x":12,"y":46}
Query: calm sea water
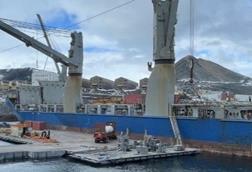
{"x":198,"y":163}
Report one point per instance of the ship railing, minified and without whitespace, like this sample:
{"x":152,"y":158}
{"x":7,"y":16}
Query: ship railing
{"x":220,"y":111}
{"x":103,"y":109}
{"x":194,"y":111}
{"x":111,"y":109}
{"x":40,"y":107}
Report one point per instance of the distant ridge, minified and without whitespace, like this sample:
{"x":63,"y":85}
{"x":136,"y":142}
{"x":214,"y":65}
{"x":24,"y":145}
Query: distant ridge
{"x":18,"y":74}
{"x":205,"y":70}
{"x":208,"y":75}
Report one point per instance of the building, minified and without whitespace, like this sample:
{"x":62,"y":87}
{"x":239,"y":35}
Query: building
{"x":43,"y":75}
{"x":27,"y":75}
{"x":10,"y":89}
{"x":134,"y":99}
{"x":5,"y":85}
{"x":243,"y":98}
{"x":29,"y":95}
{"x":124,"y":83}
{"x":227,"y":96}
{"x":101,"y":83}
{"x":86,"y":83}
{"x":143,"y":83}
{"x":212,"y":95}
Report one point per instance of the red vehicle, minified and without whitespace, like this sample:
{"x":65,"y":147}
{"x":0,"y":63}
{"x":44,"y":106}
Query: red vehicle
{"x":100,"y":137}
{"x":104,"y":132}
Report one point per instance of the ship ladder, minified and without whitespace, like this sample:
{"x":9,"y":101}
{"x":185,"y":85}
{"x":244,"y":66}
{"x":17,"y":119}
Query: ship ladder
{"x":176,"y":131}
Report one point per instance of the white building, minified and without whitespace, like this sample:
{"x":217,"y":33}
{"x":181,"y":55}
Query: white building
{"x":42,"y":75}
{"x":243,"y":98}
{"x":211,"y":95}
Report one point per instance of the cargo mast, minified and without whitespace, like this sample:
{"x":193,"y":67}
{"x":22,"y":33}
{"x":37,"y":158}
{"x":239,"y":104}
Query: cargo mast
{"x":161,"y":85}
{"x":74,"y":62}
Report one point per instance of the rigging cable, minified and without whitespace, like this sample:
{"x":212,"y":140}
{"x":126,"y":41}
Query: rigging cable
{"x":101,"y":13}
{"x":70,"y":26}
{"x":192,"y":27}
{"x":191,"y":39}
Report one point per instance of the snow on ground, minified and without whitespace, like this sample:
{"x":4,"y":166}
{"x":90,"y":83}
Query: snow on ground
{"x":248,"y":83}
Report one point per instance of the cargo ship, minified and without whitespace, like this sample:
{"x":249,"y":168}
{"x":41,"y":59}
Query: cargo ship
{"x":213,"y":128}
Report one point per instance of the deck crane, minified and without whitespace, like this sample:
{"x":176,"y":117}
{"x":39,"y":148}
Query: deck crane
{"x":74,"y":62}
{"x":62,"y":73}
{"x":161,"y":85}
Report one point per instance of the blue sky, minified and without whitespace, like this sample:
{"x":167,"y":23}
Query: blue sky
{"x":63,"y":19}
{"x":120,"y":43}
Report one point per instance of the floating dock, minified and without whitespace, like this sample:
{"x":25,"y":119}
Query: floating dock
{"x":81,"y":147}
{"x":14,"y":140}
{"x":114,"y":157}
{"x":26,"y":149}
{"x":35,"y":153}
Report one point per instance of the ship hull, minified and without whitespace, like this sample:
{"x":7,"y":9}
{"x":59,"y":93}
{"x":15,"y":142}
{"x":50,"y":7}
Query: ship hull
{"x":214,"y":135}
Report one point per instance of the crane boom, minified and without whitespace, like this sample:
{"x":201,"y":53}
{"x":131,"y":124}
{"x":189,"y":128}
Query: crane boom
{"x":165,"y":12}
{"x":29,"y":41}
{"x":74,"y":61}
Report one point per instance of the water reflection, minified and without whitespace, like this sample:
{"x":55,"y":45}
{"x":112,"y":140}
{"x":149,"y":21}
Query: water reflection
{"x":199,"y":163}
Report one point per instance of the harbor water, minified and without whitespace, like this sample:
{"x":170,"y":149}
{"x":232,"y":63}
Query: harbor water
{"x":197,"y":163}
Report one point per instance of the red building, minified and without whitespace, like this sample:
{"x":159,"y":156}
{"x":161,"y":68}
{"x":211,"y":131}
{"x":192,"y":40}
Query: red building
{"x":134,"y":99}
{"x":227,"y":96}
